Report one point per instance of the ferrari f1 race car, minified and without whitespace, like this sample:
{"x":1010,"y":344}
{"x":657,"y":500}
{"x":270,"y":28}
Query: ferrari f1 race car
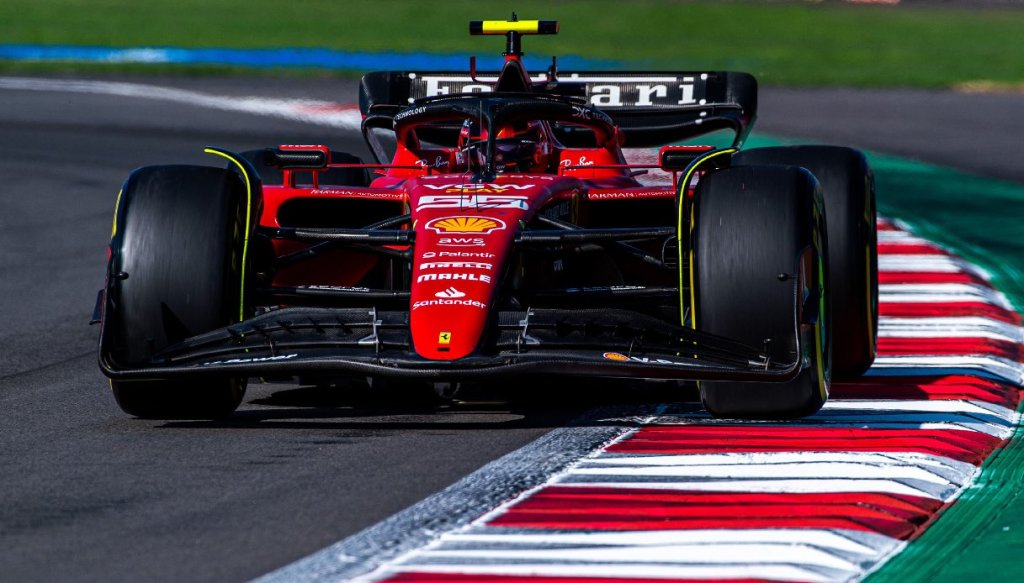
{"x":501,"y":233}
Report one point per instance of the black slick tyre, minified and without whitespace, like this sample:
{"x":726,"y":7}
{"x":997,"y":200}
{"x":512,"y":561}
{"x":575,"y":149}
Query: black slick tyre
{"x":176,"y":270}
{"x":849,"y":192}
{"x":758,"y":275}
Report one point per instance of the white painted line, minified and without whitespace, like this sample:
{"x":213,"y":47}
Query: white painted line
{"x":666,"y":554}
{"x":925,"y":263}
{"x":994,"y":414}
{"x":922,"y":489}
{"x":303,"y":110}
{"x":941,"y":293}
{"x":812,"y":471}
{"x":1001,"y":368}
{"x":938,"y":289}
{"x":949,"y":469}
{"x":848,"y":542}
{"x":937,"y":335}
{"x":753,"y":571}
{"x":959,"y":327}
{"x":731,"y":458}
{"x":908,"y":298}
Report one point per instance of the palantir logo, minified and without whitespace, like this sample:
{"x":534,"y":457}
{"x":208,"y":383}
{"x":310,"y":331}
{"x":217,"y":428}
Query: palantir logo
{"x":450,"y":293}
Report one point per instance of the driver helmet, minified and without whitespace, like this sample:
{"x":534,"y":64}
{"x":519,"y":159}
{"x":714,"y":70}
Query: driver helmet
{"x":523,"y":148}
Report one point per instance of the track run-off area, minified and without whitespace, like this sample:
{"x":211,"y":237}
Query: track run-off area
{"x":904,"y":474}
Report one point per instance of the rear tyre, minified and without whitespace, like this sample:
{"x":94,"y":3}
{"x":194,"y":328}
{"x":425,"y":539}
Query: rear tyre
{"x":848,"y":188}
{"x":758,"y":273}
{"x":175,"y":271}
{"x":270,"y":175}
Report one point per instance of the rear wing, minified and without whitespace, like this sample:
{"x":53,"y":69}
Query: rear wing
{"x":651,"y":108}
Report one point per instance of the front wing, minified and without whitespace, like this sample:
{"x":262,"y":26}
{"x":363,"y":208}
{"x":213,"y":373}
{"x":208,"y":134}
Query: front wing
{"x":329,"y":342}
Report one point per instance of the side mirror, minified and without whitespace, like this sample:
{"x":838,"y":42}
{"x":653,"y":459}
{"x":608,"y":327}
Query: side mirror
{"x":289,"y":157}
{"x":679,"y":157}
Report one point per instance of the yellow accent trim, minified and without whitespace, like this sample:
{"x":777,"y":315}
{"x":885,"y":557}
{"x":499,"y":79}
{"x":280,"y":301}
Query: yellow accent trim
{"x":870,"y":220}
{"x":248,"y":224}
{"x":871,"y":322}
{"x":117,"y":205}
{"x":683,"y":184}
{"x":693,"y":293}
{"x":821,"y":373}
{"x":822,"y":388}
{"x":504,"y":26}
{"x":679,"y":231}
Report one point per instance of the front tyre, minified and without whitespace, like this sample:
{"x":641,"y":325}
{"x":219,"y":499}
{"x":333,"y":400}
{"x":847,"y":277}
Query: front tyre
{"x":758,"y":274}
{"x":176,"y":270}
{"x":848,"y":189}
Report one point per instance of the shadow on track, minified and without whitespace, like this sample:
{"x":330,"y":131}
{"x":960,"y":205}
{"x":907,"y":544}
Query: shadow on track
{"x":355,"y":405}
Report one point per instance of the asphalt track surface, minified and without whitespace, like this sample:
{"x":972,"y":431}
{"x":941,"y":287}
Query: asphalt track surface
{"x":87,"y":493}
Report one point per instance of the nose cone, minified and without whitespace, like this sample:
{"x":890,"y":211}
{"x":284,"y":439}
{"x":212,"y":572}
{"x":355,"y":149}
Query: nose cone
{"x":464,"y":233}
{"x":455,"y":277}
{"x":463,"y":237}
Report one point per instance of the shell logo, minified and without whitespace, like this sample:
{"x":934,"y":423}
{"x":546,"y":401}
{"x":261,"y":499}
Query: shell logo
{"x":475,"y":225}
{"x":616,"y":356}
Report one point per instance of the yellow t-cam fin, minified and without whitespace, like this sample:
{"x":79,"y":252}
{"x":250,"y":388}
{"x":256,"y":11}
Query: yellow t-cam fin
{"x":518,"y":26}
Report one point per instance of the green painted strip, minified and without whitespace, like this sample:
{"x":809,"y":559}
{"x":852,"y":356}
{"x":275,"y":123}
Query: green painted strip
{"x":794,"y":43}
{"x":980,"y":219}
{"x":980,"y":537}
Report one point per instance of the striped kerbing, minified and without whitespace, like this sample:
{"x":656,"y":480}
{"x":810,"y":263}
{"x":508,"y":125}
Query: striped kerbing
{"x":826,"y":498}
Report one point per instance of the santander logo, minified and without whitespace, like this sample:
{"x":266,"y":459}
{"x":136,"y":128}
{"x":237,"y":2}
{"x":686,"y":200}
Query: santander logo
{"x":450,"y":293}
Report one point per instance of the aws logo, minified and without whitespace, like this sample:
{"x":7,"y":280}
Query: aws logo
{"x":461,"y":242}
{"x":466,"y":225}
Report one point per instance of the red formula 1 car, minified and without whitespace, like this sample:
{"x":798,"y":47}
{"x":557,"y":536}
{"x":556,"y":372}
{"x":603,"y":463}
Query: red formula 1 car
{"x":501,"y":232}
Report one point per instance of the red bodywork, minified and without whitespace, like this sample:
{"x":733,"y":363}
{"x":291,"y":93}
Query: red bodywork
{"x":501,"y":231}
{"x":464,"y":230}
{"x":466,"y":222}
{"x":465,"y":227}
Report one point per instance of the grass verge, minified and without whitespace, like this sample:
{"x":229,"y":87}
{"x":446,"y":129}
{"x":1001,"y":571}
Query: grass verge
{"x":783,"y":43}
